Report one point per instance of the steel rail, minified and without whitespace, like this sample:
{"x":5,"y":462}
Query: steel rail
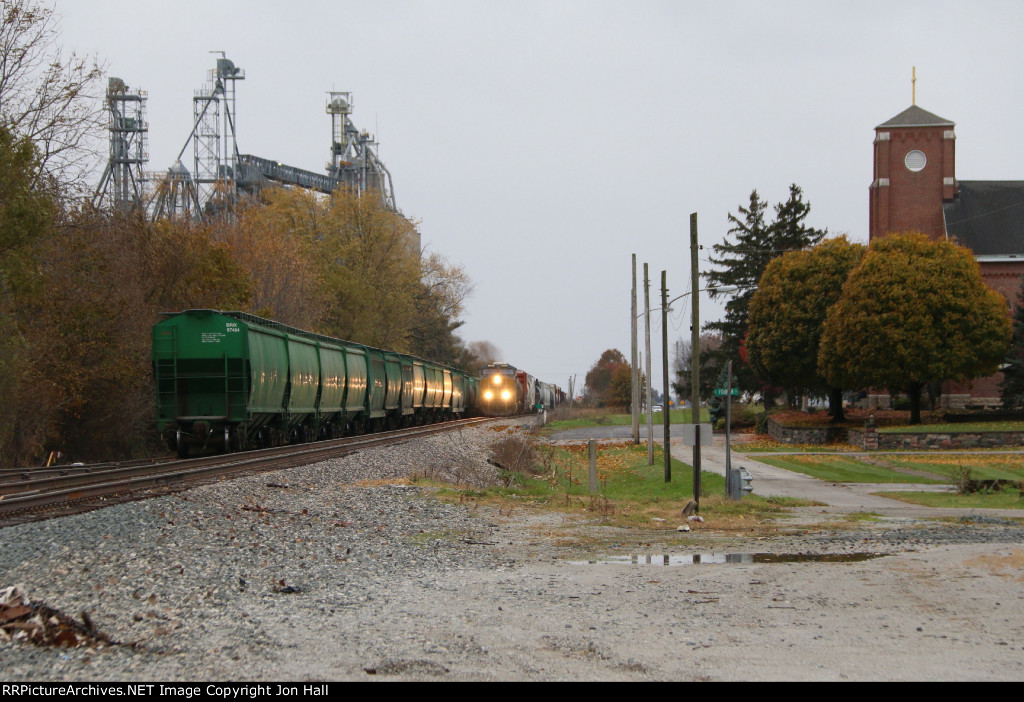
{"x":34,"y":494}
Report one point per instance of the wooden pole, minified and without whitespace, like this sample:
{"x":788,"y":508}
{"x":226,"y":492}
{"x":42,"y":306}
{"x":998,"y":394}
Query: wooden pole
{"x":647,"y":347}
{"x":634,"y":367}
{"x":695,"y":358}
{"x":664,"y":378}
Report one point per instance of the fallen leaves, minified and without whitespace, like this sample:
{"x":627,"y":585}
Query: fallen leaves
{"x":23,"y":620}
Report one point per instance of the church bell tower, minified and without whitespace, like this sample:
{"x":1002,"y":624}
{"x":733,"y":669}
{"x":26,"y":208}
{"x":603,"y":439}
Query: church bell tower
{"x":914,"y":173}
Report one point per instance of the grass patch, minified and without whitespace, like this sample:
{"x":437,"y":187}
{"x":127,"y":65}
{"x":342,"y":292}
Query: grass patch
{"x":580,"y":418}
{"x":632,"y":493}
{"x":981,"y":466}
{"x":765,"y":444}
{"x":842,"y":469}
{"x":1003,"y":499}
{"x":952,"y":469}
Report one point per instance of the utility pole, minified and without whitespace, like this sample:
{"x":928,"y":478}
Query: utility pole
{"x":664,"y":377}
{"x":647,"y":350}
{"x":695,"y":359}
{"x":634,"y":367}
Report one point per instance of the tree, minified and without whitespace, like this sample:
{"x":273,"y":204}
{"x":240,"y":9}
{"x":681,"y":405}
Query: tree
{"x":742,"y":262}
{"x":26,"y":213}
{"x":788,"y":311}
{"x":90,"y":338}
{"x":366,"y":265}
{"x":272,"y":240}
{"x":1012,"y":385}
{"x":599,"y":377}
{"x":47,"y":98}
{"x":710,"y":344}
{"x":26,"y":219}
{"x":620,"y":389}
{"x":915,"y":311}
{"x":439,"y":304}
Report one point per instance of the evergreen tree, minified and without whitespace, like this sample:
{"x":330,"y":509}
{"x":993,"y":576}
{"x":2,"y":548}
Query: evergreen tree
{"x":1012,"y":385}
{"x":741,"y":263}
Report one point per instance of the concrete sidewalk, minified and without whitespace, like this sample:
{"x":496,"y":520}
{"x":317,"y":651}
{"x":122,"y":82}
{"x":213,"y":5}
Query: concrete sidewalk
{"x":770,"y":481}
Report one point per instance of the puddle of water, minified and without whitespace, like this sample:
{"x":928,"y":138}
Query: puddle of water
{"x":711,"y":558}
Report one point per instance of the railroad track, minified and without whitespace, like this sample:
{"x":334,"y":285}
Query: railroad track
{"x":43,"y":493}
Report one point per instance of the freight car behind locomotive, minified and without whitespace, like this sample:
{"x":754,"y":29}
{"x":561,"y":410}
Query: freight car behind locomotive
{"x":505,"y":390}
{"x":231,"y":380}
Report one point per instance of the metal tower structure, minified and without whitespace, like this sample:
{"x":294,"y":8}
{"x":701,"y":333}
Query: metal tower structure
{"x":354,"y":161}
{"x":220,"y":173}
{"x":214,"y":140}
{"x":214,"y":148}
{"x":122,"y":184}
{"x":176,"y":194}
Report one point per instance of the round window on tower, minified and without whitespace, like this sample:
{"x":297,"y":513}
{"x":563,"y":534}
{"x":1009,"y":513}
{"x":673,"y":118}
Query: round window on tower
{"x":915,"y":160}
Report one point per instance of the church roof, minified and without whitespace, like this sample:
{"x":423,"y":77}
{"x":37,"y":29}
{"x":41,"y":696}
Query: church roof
{"x":914,"y":116}
{"x":987,"y":216}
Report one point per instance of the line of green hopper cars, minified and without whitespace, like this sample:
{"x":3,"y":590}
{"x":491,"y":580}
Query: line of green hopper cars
{"x":228,"y":381}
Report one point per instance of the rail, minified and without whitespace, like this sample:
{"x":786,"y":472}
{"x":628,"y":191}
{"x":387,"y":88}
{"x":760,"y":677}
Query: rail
{"x":33,"y":494}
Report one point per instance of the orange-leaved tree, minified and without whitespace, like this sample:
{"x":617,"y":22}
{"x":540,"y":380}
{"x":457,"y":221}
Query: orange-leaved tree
{"x":787,"y":315}
{"x":915,"y":311}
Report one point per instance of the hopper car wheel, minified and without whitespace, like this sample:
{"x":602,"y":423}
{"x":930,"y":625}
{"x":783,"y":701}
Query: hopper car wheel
{"x":238,"y":439}
{"x":182,"y":445}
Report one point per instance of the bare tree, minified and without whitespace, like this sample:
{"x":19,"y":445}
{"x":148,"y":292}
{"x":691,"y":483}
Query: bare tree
{"x":52,"y":100}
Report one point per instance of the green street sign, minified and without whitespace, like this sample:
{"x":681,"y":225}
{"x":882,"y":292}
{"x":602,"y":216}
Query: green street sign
{"x":719,"y":392}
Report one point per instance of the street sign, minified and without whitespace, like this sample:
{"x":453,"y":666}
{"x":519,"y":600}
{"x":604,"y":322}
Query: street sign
{"x":719,"y":392}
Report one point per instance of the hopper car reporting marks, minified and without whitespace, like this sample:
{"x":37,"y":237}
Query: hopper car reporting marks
{"x":506,"y":390}
{"x":230,"y":381}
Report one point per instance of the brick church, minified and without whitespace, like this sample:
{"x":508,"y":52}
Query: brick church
{"x":915,"y":188}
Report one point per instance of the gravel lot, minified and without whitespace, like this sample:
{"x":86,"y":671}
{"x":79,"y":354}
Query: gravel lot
{"x":338,"y":572}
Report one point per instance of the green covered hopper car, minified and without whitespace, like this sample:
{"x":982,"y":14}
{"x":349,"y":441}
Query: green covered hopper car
{"x":229,"y":381}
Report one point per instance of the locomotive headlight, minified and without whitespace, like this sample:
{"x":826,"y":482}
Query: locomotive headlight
{"x":488,"y":395}
{"x":497,"y":380}
{"x":505,"y":394}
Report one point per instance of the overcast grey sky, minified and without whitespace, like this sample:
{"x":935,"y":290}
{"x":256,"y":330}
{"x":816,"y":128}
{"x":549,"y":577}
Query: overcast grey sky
{"x":541,"y":143}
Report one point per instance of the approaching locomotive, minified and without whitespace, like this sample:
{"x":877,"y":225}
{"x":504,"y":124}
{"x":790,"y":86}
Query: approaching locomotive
{"x":506,"y":390}
{"x":231,"y":380}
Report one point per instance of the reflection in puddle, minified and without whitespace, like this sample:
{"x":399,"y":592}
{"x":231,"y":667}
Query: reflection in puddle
{"x":699,"y":558}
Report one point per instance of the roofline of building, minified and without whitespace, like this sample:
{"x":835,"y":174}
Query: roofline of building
{"x":1000,"y":258}
{"x":887,"y":127}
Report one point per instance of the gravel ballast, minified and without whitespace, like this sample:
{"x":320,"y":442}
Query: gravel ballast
{"x":347,"y":570}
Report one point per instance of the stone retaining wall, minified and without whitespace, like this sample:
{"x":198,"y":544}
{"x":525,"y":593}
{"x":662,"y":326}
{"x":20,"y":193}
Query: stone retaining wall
{"x":805,"y":435}
{"x":946,"y":440}
{"x":870,"y":439}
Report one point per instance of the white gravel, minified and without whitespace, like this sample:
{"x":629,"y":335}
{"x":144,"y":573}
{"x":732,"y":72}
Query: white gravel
{"x":337,"y":572}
